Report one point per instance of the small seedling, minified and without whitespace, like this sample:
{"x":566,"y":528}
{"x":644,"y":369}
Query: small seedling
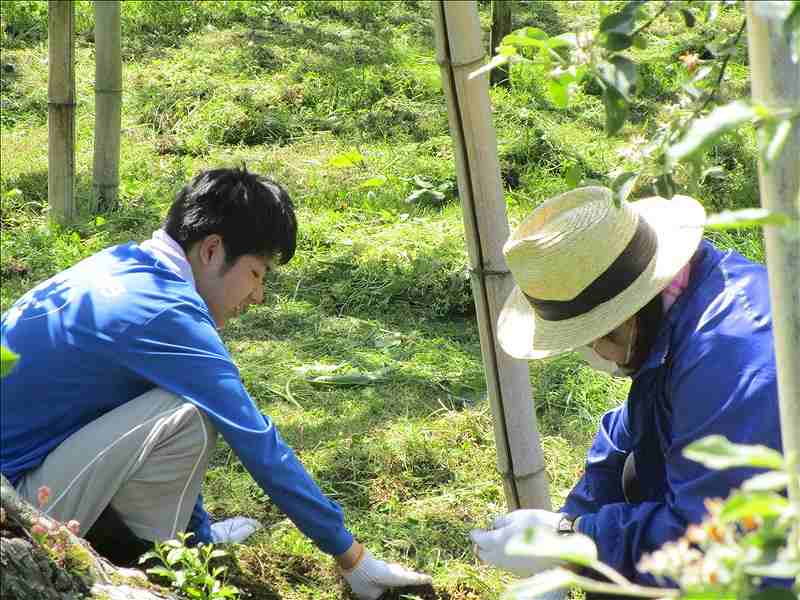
{"x":189,"y":569}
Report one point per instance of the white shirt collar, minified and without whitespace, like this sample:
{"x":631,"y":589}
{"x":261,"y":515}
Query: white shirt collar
{"x":162,"y":247}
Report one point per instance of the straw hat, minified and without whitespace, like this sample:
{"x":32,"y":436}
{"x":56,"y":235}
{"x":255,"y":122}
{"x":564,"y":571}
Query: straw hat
{"x":584,"y":266}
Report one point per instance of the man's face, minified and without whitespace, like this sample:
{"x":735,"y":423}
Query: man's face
{"x":227,"y":289}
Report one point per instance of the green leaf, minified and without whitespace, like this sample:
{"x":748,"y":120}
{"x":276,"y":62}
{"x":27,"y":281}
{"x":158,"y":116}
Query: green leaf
{"x":162,"y":572}
{"x":498,"y":59}
{"x":573,"y":176}
{"x":539,"y":541}
{"x":633,"y":6}
{"x":715,"y":172}
{"x":791,"y":30}
{"x":542,"y":583}
{"x":425,"y":194}
{"x":8,"y":361}
{"x":534,"y":33}
{"x":621,"y":22}
{"x":217,"y":553}
{"x":771,"y":481}
{"x":781,"y":569}
{"x":665,"y":185}
{"x":779,"y":136}
{"x":559,"y":93}
{"x":352,"y":378}
{"x":716,"y":452}
{"x":421,"y":182}
{"x":616,"y":42}
{"x":180,"y":578}
{"x":346,"y":160}
{"x":705,"y":131}
{"x":746,"y":217}
{"x":560,"y":578}
{"x":623,"y":185}
{"x":625,"y":75}
{"x":562,"y":41}
{"x":616,"y":110}
{"x":147,"y":556}
{"x":640,"y":42}
{"x":526,"y":37}
{"x":175,"y":555}
{"x":373,"y":182}
{"x":755,"y":504}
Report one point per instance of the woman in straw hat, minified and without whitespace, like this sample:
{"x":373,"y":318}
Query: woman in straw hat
{"x":637,"y":292}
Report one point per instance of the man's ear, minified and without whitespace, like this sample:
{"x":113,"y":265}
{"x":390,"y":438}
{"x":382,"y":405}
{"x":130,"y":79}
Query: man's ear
{"x":211,"y":250}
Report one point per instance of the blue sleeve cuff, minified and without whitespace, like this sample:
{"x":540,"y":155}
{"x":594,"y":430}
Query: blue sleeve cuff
{"x":586,"y":525}
{"x":338,"y":544}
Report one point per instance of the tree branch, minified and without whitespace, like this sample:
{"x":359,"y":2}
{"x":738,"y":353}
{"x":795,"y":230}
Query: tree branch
{"x":641,"y":28}
{"x":721,"y":71}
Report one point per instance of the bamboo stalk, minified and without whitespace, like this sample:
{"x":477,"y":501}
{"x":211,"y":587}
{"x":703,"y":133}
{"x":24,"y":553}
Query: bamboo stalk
{"x":776,"y":83}
{"x":501,"y":27}
{"x":61,"y":110}
{"x":108,"y":105}
{"x":459,"y":50}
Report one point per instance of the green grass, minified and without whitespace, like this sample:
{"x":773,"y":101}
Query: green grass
{"x":378,"y":284}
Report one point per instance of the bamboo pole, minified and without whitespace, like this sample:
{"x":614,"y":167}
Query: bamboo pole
{"x":501,"y":27}
{"x":108,"y":105}
{"x":459,"y":50}
{"x":61,"y":110}
{"x":776,"y":83}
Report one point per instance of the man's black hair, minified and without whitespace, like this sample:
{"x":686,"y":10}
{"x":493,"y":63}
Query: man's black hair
{"x":252,"y":214}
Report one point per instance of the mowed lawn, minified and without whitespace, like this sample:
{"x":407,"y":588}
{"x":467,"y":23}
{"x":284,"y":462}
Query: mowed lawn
{"x":341,"y":102}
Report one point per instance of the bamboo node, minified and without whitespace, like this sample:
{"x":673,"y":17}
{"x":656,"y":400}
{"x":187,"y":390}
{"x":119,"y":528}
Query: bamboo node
{"x":481,"y":272}
{"x":446,"y":62}
{"x":530,"y":475}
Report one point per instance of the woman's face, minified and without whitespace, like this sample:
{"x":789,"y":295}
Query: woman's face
{"x":618,"y":345}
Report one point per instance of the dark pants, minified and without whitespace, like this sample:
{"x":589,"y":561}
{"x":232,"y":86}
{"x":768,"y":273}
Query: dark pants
{"x":633,"y":495}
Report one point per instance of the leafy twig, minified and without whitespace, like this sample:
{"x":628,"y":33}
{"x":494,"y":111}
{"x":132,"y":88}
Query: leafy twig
{"x":722,"y":70}
{"x":643,"y":27}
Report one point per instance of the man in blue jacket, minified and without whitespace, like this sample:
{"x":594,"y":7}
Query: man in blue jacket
{"x":124,"y":382}
{"x":637,"y":293}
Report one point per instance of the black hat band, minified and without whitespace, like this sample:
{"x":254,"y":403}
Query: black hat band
{"x":627,"y":267}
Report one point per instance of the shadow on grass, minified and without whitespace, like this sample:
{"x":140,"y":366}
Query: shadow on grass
{"x":541,"y":14}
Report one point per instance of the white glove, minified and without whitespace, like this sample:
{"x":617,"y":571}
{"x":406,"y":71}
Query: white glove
{"x":489,"y":545}
{"x":372,"y":577}
{"x":234,"y":530}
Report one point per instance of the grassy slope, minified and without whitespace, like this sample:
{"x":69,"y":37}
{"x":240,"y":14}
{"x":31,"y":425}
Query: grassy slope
{"x":377,"y":284}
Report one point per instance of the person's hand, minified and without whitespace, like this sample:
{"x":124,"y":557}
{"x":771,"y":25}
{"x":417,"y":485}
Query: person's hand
{"x":234,"y":530}
{"x":370,"y":577}
{"x":489,"y":545}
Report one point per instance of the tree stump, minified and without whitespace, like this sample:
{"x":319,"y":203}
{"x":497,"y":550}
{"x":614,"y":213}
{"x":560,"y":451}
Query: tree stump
{"x":70,"y":571}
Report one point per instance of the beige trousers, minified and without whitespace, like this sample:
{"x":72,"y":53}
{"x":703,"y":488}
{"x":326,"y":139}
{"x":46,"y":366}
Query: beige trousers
{"x":146,"y":458}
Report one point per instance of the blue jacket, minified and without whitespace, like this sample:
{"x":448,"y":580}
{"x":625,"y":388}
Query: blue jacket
{"x":711,"y":371}
{"x":115,"y":326}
